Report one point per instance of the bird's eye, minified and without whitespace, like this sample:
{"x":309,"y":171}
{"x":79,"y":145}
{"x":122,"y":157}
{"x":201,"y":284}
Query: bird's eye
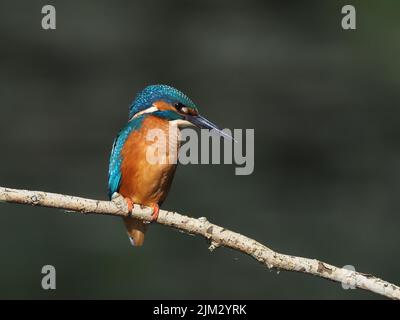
{"x":181,"y":107}
{"x":178,"y":106}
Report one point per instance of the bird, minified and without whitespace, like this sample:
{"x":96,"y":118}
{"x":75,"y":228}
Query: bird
{"x":130,"y":174}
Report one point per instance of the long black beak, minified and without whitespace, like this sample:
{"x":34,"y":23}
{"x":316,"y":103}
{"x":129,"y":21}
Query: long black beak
{"x":203,"y":123}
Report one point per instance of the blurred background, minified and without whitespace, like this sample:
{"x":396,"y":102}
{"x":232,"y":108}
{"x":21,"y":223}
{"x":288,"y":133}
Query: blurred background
{"x":324,"y":104}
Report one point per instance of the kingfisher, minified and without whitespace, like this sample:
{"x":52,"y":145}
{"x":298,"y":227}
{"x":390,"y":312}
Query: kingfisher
{"x":131,"y":174}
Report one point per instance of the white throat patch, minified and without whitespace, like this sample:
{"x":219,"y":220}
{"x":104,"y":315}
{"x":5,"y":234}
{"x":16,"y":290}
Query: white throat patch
{"x":148,"y":110}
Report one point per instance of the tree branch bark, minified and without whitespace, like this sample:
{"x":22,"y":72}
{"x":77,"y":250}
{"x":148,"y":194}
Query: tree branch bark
{"x":218,"y":236}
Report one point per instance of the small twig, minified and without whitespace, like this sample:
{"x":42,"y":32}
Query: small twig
{"x":217,"y":236}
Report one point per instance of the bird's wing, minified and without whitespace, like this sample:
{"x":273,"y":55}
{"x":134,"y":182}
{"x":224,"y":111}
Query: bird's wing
{"x":114,"y":169}
{"x":114,"y":172}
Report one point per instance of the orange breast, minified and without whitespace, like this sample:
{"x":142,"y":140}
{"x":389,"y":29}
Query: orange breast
{"x":143,"y":181}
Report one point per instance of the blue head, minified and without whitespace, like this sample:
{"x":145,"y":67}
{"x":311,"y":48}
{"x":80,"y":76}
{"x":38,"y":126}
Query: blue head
{"x":159,"y":92}
{"x":171,"y":104}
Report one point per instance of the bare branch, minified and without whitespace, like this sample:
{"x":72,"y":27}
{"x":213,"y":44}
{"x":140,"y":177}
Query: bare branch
{"x":217,"y":236}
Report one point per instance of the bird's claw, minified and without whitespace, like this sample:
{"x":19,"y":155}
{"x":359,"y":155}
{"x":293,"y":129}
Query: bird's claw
{"x":129,"y":204}
{"x":121,"y":201}
{"x":156,"y":211}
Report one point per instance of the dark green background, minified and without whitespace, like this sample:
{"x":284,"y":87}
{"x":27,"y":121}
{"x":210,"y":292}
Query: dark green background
{"x":324,"y":103}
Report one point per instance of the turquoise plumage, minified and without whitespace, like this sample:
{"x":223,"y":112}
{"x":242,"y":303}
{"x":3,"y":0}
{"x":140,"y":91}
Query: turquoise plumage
{"x":114,"y":170}
{"x":150,"y":94}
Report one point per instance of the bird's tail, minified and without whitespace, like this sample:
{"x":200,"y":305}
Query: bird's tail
{"x":136,"y":230}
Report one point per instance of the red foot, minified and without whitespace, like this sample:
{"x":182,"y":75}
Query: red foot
{"x":129,"y":203}
{"x":156,"y":210}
